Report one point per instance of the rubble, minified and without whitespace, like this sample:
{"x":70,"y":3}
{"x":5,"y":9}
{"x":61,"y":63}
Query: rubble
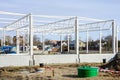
{"x":114,"y":64}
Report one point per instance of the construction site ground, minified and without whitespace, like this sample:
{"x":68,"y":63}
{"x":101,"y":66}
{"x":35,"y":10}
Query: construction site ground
{"x":53,"y":72}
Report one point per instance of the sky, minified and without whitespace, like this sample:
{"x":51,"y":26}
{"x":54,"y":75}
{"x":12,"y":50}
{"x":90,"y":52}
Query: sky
{"x":100,"y":9}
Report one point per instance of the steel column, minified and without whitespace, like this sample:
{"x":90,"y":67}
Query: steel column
{"x":3,"y":36}
{"x":23,"y":43}
{"x":43,"y":43}
{"x":31,"y":61}
{"x":77,"y":39}
{"x":28,"y":41}
{"x":87,"y":41}
{"x":68,"y":43}
{"x":31,"y":34}
{"x":113,"y":38}
{"x":100,"y":45}
{"x":17,"y":41}
{"x":61,"y":42}
{"x":117,"y":32}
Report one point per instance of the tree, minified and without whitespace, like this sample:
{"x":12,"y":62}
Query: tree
{"x":14,"y":40}
{"x":108,"y":40}
{"x":36,"y":40}
{"x":66,"y":38}
{"x":21,"y":40}
{"x":8,"y":40}
{"x":90,"y":41}
{"x":26,"y":39}
{"x":47,"y":42}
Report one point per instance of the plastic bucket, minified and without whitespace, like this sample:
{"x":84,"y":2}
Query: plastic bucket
{"x":104,"y":60}
{"x":86,"y":71}
{"x":41,"y":64}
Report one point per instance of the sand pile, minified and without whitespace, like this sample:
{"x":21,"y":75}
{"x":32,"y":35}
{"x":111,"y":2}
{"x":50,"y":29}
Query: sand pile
{"x":114,"y":64}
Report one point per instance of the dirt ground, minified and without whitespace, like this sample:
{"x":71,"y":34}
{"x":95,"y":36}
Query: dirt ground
{"x":52,"y":72}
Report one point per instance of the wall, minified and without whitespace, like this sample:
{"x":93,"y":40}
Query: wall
{"x":71,"y":58}
{"x":23,"y":60}
{"x":65,"y":58}
{"x":95,"y":57}
{"x":14,"y":60}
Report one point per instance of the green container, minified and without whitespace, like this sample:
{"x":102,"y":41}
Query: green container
{"x":86,"y":71}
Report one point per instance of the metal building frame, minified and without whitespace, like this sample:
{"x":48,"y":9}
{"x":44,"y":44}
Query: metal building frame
{"x":71,"y":25}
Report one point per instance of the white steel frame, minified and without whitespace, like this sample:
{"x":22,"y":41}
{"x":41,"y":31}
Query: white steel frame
{"x":70,"y":25}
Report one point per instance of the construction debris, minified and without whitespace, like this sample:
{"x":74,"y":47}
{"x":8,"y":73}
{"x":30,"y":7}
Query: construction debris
{"x":114,"y":64}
